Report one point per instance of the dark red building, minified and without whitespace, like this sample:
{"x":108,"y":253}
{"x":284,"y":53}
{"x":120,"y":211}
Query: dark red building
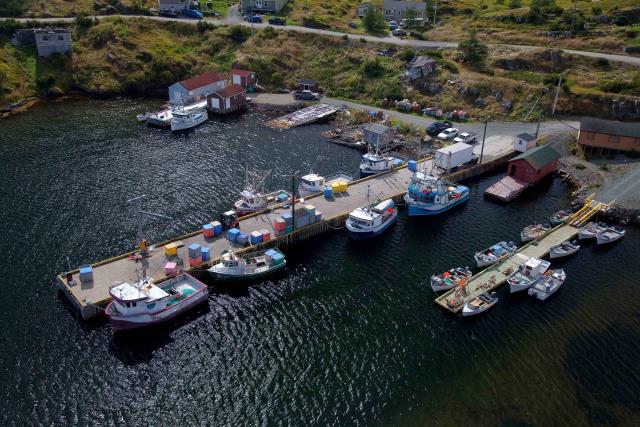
{"x":243,"y":77}
{"x":227,"y":100}
{"x":534,"y":164}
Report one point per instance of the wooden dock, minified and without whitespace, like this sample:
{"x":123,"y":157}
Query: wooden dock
{"x":304,"y":116}
{"x":91,"y":297}
{"x":506,"y":189}
{"x":496,"y":275}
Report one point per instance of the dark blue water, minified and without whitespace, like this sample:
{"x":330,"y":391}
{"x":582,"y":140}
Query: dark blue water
{"x":348,"y":336}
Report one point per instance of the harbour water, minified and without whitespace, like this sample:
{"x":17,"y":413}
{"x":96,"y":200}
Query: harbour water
{"x":349,"y":335}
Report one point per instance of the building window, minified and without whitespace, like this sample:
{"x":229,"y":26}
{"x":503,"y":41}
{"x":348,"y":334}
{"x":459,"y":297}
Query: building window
{"x":60,"y":38}
{"x":45,"y":38}
{"x":614,"y":138}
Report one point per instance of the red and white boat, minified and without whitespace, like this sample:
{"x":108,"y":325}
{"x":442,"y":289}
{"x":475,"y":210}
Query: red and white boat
{"x":146,"y":304}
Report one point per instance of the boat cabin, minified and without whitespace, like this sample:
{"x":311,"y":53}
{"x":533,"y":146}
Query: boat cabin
{"x":312,"y":182}
{"x":533,"y":267}
{"x":144,"y":297}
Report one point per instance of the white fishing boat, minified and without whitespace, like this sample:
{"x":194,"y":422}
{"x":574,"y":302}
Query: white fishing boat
{"x":480,"y":304}
{"x":186,"y":119}
{"x":370,"y":221}
{"x":233,"y":267}
{"x":450,"y":279}
{"x":160,"y":119}
{"x":495,"y":253}
{"x":559,"y":217}
{"x":527,"y":273}
{"x":375,"y":162}
{"x":590,"y":230}
{"x":546,"y":285}
{"x":253,"y":197}
{"x":145,"y":303}
{"x":563,"y":249}
{"x":532,"y":232}
{"x":609,"y":235}
{"x":313,"y":183}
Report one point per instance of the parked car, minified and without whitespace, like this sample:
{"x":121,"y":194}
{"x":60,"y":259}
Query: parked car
{"x":399,"y":32}
{"x":168,"y":13}
{"x":448,"y":133}
{"x":437,"y":127}
{"x":277,"y":21}
{"x":352,"y":24}
{"x":306,"y":95}
{"x":256,"y":19}
{"x":193,"y":13}
{"x":393,"y":25}
{"x":467,"y":138}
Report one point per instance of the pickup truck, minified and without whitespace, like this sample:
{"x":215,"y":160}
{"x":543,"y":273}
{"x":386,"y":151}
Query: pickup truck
{"x":467,"y":138}
{"x":306,"y":95}
{"x":448,"y":134}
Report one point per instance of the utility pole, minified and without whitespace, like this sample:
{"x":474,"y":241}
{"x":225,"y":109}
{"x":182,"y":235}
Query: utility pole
{"x":538,"y":127}
{"x":293,"y":200}
{"x":555,"y":101}
{"x":484,"y":135}
{"x":435,"y":12}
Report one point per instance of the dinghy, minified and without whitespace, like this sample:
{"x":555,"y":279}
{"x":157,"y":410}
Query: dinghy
{"x":494,"y":253}
{"x":564,"y":249}
{"x":609,"y":235}
{"x":480,"y":304}
{"x":590,"y":230}
{"x":532,"y":232}
{"x":559,"y":217}
{"x":450,"y":279}
{"x":546,"y":285}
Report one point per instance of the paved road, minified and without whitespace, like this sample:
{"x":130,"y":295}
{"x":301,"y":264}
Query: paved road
{"x":493,"y":128}
{"x":235,"y":19}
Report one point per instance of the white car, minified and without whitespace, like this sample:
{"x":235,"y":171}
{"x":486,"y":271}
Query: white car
{"x":448,"y":133}
{"x":466,"y":137}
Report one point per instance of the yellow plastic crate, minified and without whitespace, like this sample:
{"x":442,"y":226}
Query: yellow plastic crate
{"x":170,"y":250}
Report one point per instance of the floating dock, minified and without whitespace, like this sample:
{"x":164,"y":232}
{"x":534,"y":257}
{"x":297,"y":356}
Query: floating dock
{"x":496,"y":275}
{"x":90,"y":297}
{"x":506,"y":189}
{"x":305,"y":116}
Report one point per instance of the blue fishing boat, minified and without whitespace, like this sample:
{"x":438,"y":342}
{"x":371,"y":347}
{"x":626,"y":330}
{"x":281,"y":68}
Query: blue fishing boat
{"x":428,"y":195}
{"x":370,"y":221}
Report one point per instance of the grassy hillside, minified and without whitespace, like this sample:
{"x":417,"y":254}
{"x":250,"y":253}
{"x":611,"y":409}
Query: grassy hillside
{"x":57,"y":8}
{"x":116,"y":56}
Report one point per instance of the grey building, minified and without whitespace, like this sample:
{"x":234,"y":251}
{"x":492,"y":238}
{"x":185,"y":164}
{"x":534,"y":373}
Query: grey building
{"x":395,"y":10}
{"x":420,"y":67}
{"x":176,"y":5}
{"x":23,"y":37}
{"x":362,"y":9}
{"x":262,"y":6}
{"x":52,"y":40}
{"x":374,"y":134}
{"x":196,"y":88}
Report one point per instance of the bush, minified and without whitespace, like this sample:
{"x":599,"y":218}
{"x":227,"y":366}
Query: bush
{"x":515,"y":4}
{"x":407,"y":54}
{"x":373,"y":21}
{"x":372,"y":68}
{"x":11,"y":7}
{"x":596,"y":11}
{"x":84,"y":22}
{"x":238,"y":33}
{"x":44,"y":83}
{"x":269,"y":33}
{"x":473,"y":50}
{"x":204,"y":26}
{"x":390,"y":90}
{"x":602,"y":63}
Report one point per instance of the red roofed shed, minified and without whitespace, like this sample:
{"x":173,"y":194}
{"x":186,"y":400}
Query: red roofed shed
{"x":196,"y":88}
{"x":227,"y":100}
{"x":243,"y":78}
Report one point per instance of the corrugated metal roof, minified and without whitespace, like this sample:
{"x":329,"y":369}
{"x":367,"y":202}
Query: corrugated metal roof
{"x":540,"y":156}
{"x":526,"y":136}
{"x":611,"y":127}
{"x":375,"y":128}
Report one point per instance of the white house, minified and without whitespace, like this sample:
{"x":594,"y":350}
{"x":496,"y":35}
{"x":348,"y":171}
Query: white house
{"x":175,"y":5}
{"x":196,"y":88}
{"x":262,"y":6}
{"x":524,"y":141}
{"x":52,"y":40}
{"x":395,"y":10}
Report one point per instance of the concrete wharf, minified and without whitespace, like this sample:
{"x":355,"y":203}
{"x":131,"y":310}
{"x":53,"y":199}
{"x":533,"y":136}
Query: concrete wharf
{"x":91,"y":297}
{"x":497,"y":274}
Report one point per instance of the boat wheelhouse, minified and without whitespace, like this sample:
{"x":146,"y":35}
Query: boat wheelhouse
{"x":527,"y":273}
{"x":373,"y":163}
{"x":183,"y":119}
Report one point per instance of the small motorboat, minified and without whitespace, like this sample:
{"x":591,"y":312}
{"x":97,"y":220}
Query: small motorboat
{"x":559,"y":217}
{"x":480,"y":304}
{"x":532,"y":232}
{"x":234,"y":267}
{"x":183,"y":119}
{"x":609,"y":235}
{"x":546,"y":285}
{"x":450,"y":279}
{"x":590,"y":230}
{"x":372,"y":220}
{"x":527,"y":273}
{"x":494,"y":253}
{"x":564,"y":249}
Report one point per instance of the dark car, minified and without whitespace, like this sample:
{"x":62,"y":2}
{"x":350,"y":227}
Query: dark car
{"x":168,"y":13}
{"x":437,"y":127}
{"x":257,"y":19}
{"x":277,"y":21}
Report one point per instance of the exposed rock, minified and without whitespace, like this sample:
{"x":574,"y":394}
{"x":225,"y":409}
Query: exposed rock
{"x":111,"y":57}
{"x":144,"y":56}
{"x":480,"y":102}
{"x":471,"y":92}
{"x":507,"y":105}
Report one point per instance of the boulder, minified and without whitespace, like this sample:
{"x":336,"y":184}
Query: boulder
{"x":480,"y":102}
{"x":507,"y":105}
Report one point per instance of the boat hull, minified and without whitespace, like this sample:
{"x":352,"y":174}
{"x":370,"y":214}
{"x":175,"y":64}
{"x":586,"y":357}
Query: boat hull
{"x":224,"y":277}
{"x":467,"y":311}
{"x":178,"y":126}
{"x":519,"y":287}
{"x":553,"y":254}
{"x":601,"y":241}
{"x":124,"y":323}
{"x":358,"y":234}
{"x":415,"y":209}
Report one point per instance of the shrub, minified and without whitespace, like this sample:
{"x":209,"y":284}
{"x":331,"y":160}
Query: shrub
{"x":390,"y":90}
{"x":596,"y":11}
{"x":11,"y":7}
{"x":473,"y":50}
{"x":372,"y":68}
{"x":514,"y":4}
{"x":204,"y":26}
{"x":84,"y":22}
{"x":373,"y":21}
{"x":407,"y":54}
{"x":238,"y":33}
{"x":269,"y":33}
{"x":580,"y":166}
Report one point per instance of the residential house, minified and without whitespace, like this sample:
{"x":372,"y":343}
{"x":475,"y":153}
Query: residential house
{"x":243,"y":78}
{"x":395,"y":10}
{"x":262,"y":6}
{"x":524,"y":141}
{"x":420,"y":67}
{"x":362,"y":9}
{"x":607,"y":136}
{"x":308,"y":84}
{"x":377,"y":134}
{"x":227,"y":100}
{"x":176,"y":5}
{"x":196,"y":88}
{"x":534,"y":164}
{"x":52,"y":40}
{"x":23,"y":37}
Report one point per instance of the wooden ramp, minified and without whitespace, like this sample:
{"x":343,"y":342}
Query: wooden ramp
{"x":304,"y":116}
{"x":506,"y":189}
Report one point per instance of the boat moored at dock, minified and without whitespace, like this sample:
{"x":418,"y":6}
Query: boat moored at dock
{"x":374,"y":162}
{"x":253,"y":197}
{"x":450,"y":279}
{"x":532,"y":232}
{"x":428,"y":195}
{"x":495,"y":253}
{"x":527,"y":273}
{"x":547,"y":284}
{"x":563,"y":249}
{"x":313,"y":183}
{"x":480,"y":304}
{"x":183,"y":119}
{"x":590,"y":230}
{"x":233,"y":267}
{"x":370,"y":221}
{"x":145,"y":303}
{"x":609,"y":235}
{"x":559,"y":217}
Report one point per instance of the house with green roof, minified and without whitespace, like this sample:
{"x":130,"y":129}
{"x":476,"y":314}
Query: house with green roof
{"x":534,"y":164}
